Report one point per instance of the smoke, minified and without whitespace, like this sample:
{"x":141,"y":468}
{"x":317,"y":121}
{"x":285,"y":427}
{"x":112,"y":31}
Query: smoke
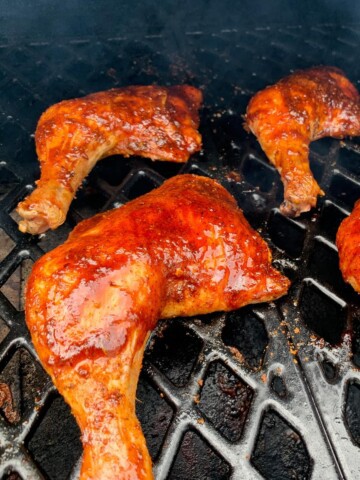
{"x":51,"y":20}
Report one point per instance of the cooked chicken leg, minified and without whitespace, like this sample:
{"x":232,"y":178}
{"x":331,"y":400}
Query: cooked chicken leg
{"x":156,"y":122}
{"x":286,"y":117}
{"x":348,"y":243}
{"x":181,"y":250}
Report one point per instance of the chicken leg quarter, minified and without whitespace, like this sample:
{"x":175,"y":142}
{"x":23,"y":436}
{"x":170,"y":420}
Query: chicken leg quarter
{"x":181,"y":250}
{"x":348,"y":244}
{"x":151,"y":121}
{"x":303,"y":107}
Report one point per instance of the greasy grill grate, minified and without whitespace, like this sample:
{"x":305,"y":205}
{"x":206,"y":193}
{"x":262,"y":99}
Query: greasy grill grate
{"x":254,"y":393}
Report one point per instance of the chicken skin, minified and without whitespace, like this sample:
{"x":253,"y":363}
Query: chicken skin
{"x":348,"y":244}
{"x":151,"y":121}
{"x":286,"y":117}
{"x":181,"y":250}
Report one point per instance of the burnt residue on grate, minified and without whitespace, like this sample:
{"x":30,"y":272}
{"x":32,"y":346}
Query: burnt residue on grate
{"x":224,"y":392}
{"x":246,"y":333}
{"x":269,"y":391}
{"x":280,"y":453}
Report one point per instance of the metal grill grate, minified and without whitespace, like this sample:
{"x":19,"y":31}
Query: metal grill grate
{"x":255,"y":393}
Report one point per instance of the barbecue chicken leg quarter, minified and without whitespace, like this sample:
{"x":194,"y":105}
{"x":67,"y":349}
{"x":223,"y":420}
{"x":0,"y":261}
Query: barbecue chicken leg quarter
{"x":183,"y":249}
{"x":286,"y":117}
{"x":151,"y":121}
{"x":348,"y":244}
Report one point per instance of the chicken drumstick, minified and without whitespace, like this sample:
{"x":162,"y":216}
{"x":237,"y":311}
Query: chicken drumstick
{"x":348,"y":243}
{"x":181,"y":250}
{"x":156,"y":122}
{"x":286,"y":117}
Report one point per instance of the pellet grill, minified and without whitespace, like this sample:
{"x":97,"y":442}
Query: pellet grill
{"x":269,"y":391}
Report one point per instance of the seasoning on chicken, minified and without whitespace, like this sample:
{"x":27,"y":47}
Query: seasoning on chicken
{"x":181,"y":250}
{"x":151,"y":121}
{"x":348,"y":244}
{"x":286,"y":117}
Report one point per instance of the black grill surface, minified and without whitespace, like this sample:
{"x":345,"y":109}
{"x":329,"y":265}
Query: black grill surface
{"x":269,"y":391}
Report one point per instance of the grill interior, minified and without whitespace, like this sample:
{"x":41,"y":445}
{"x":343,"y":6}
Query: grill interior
{"x":270,"y":391}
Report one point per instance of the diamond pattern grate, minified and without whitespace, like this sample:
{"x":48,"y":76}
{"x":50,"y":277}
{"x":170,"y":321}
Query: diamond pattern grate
{"x":217,"y":387}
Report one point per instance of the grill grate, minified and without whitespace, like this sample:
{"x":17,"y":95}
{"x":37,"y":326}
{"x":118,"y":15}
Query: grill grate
{"x":258,"y":392}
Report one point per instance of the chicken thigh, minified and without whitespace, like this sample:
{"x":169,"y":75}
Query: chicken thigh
{"x":151,"y":121}
{"x":181,"y":250}
{"x":348,"y":244}
{"x":286,"y":117}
